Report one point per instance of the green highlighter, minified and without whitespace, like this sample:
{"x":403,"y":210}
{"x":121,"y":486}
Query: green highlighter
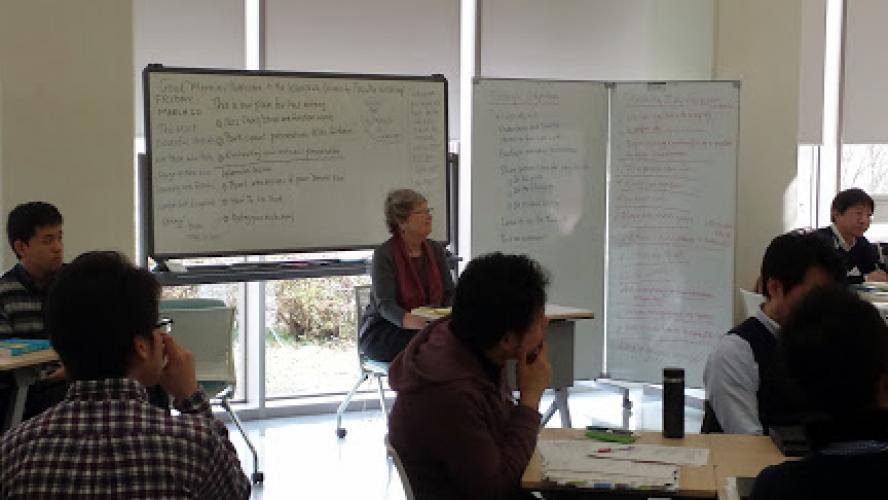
{"x":610,"y":435}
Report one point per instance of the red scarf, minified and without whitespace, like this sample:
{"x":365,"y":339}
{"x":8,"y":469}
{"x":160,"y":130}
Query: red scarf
{"x":411,"y":293}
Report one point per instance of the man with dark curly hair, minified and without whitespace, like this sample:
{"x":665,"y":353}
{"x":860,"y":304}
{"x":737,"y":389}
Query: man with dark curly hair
{"x":836,"y":351}
{"x":455,"y":424}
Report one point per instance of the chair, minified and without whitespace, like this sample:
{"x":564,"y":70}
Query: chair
{"x":204,"y":327}
{"x":402,"y":473}
{"x":751,"y":301}
{"x":367,"y":368}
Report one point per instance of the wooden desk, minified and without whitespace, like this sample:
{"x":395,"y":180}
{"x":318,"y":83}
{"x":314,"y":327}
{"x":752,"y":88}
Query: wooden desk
{"x":735,"y":455}
{"x":729,"y":455}
{"x":24,"y":370}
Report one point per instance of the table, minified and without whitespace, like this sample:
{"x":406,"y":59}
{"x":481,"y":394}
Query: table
{"x":560,"y":337}
{"x":736,"y":455}
{"x":729,"y":455}
{"x":24,"y":370}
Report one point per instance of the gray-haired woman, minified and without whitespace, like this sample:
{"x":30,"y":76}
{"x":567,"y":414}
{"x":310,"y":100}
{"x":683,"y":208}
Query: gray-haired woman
{"x":409,"y":271}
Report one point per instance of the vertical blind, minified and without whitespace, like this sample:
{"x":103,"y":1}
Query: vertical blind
{"x":865,"y":106}
{"x":813,"y":46}
{"x":597,"y":39}
{"x":417,"y":37}
{"x":196,"y":33}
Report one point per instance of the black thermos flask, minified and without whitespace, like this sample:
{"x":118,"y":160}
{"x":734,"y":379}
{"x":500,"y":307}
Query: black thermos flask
{"x":673,"y":402}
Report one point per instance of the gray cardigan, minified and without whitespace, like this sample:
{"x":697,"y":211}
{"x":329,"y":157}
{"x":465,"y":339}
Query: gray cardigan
{"x":383,"y":305}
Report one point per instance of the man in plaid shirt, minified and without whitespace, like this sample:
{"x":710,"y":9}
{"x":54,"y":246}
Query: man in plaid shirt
{"x":105,"y":440}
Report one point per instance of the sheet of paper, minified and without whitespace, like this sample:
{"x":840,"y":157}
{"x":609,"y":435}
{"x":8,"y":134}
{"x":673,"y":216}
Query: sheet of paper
{"x":570,"y":462}
{"x":655,"y":453}
{"x":731,"y":489}
{"x":431,"y":313}
{"x":609,"y":480}
{"x":635,"y":452}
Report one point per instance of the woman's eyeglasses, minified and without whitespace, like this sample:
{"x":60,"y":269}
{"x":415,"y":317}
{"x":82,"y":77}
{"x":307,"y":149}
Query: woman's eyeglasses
{"x":165,"y":324}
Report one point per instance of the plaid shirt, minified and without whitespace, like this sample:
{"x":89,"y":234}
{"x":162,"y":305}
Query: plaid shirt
{"x":105,"y":441}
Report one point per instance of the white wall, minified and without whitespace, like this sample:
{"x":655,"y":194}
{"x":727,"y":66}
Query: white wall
{"x":66,"y":109}
{"x":757,"y":42}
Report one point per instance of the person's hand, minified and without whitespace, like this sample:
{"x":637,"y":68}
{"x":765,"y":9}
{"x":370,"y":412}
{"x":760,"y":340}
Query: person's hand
{"x":414,"y":322}
{"x":533,"y":373}
{"x":178,"y":377}
{"x":877,"y":275}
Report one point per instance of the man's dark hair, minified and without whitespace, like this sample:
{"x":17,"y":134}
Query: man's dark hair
{"x":851,"y":198}
{"x":836,"y":349}
{"x":24,"y":220}
{"x":791,"y":255}
{"x":497,"y":294}
{"x":94,"y":310}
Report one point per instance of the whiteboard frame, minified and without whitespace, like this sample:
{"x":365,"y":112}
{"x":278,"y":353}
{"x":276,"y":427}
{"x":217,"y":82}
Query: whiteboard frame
{"x":146,"y":186}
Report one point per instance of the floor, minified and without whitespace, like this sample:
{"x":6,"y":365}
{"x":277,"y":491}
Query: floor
{"x":302,"y":457}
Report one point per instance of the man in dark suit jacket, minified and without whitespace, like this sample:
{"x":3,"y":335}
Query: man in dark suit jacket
{"x":851,"y":212}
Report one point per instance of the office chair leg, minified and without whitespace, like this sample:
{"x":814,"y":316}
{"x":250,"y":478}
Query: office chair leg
{"x":258,"y":476}
{"x":381,"y":393}
{"x":340,"y":430}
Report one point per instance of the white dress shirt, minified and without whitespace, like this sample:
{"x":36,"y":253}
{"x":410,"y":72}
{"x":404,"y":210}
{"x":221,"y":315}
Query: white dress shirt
{"x":731,"y":379}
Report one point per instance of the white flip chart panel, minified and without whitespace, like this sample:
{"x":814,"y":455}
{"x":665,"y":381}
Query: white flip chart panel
{"x":672,"y":205}
{"x":538,"y":184}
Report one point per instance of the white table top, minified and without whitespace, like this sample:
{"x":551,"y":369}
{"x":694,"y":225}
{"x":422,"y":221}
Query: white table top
{"x":553,"y":312}
{"x":32,"y":358}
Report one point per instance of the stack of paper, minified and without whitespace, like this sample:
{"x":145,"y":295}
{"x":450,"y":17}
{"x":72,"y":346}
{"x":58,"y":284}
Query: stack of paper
{"x":599,"y":465}
{"x":17,"y":347}
{"x":431,"y":313}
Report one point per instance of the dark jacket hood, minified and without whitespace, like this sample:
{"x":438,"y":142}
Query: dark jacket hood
{"x":435,"y":356}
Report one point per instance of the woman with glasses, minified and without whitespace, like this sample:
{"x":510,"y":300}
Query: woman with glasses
{"x":409,"y":271}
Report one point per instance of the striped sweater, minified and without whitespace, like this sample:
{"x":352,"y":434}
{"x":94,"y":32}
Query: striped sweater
{"x":21,"y":305}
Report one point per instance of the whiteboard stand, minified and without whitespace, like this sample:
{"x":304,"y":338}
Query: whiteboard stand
{"x":559,"y":404}
{"x":143,"y":174}
{"x":614,"y":386}
{"x":453,"y":197}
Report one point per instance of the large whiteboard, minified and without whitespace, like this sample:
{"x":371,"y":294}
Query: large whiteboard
{"x":259,"y":162}
{"x":538,"y":188}
{"x":672,"y":205}
{"x":623,"y":187}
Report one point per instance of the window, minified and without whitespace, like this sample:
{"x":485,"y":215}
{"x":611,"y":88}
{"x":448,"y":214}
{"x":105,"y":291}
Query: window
{"x":849,"y":52}
{"x":310,"y":335}
{"x":866,"y":166}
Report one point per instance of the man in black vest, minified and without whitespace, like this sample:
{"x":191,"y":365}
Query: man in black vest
{"x":746,"y":387}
